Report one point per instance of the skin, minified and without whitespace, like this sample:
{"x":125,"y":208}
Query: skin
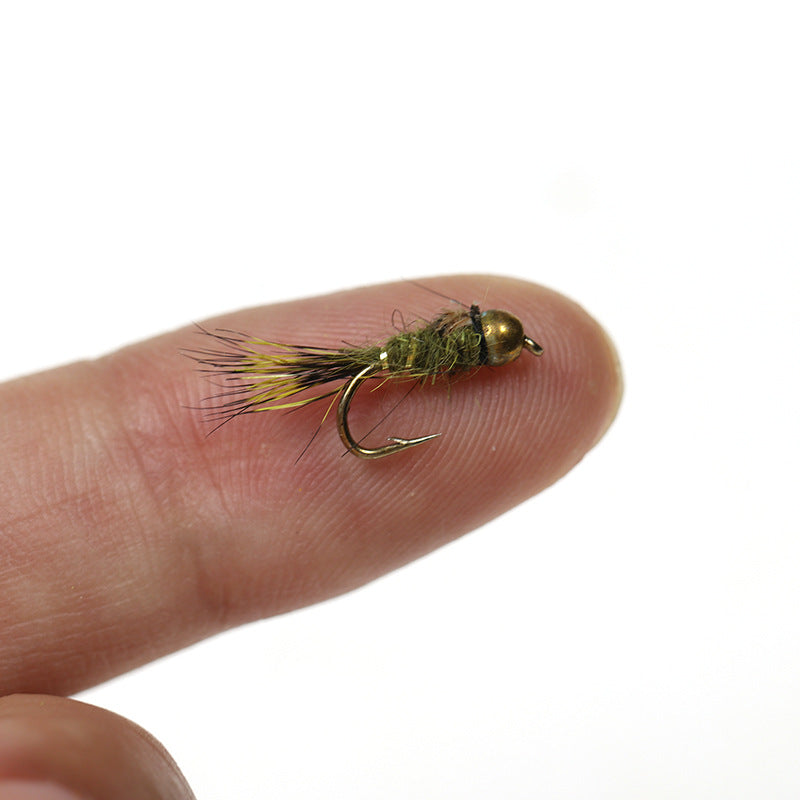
{"x":126,"y":532}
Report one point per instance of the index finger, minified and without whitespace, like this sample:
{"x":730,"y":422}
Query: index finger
{"x":127,"y":532}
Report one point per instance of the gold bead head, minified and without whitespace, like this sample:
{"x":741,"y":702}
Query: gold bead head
{"x":504,"y":336}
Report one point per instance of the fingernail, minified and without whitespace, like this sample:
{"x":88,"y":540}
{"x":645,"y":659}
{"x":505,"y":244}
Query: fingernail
{"x":34,"y":790}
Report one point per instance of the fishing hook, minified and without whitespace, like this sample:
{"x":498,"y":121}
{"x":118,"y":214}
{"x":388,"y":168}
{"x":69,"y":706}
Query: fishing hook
{"x":397,"y":444}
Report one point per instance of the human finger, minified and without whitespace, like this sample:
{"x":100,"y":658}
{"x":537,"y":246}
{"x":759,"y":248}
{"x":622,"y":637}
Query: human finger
{"x":53,"y":747}
{"x":128,"y":532}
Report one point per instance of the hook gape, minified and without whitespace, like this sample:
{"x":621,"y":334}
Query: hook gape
{"x":350,"y":443}
{"x":502,"y":339}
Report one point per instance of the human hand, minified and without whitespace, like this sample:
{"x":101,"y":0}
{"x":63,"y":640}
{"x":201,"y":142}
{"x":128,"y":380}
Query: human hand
{"x":126,"y":533}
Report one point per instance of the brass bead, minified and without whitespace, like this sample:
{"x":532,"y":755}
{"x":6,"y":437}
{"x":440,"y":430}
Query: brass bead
{"x":504,"y":336}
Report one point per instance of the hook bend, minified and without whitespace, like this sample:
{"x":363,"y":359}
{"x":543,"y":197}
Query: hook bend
{"x":397,"y":444}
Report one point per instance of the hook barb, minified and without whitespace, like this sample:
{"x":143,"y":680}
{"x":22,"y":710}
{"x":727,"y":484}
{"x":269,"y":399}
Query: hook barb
{"x":397,"y":444}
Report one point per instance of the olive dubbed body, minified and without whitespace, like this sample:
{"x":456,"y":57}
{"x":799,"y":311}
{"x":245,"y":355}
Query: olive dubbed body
{"x":456,"y":340}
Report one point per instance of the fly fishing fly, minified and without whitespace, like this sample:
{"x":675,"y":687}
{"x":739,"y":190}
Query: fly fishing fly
{"x":259,"y":375}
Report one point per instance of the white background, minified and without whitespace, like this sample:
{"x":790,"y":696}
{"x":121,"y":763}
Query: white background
{"x":634,"y":631}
